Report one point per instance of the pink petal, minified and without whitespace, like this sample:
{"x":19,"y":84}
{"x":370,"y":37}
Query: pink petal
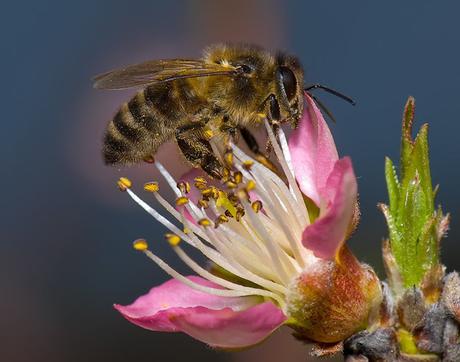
{"x":218,"y":321}
{"x":313,"y":152}
{"x":327,"y":234}
{"x":229,"y":329}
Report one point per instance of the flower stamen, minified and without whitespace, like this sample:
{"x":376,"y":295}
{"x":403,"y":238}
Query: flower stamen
{"x":172,"y":239}
{"x":229,"y":229}
{"x":124,"y":183}
{"x":140,"y":244}
{"x":151,"y":187}
{"x":181,"y":201}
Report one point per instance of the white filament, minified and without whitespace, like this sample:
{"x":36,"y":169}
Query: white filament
{"x":263,"y":248}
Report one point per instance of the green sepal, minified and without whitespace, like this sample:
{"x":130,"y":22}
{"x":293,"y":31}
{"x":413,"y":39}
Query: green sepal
{"x":406,"y":139}
{"x":392,"y":183}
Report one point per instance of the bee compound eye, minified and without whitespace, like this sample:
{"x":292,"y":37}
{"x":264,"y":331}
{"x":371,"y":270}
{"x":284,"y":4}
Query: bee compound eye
{"x":289,"y":82}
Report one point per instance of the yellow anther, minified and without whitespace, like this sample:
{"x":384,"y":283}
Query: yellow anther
{"x":181,"y":201}
{"x":151,"y":187}
{"x":124,"y":183}
{"x":184,"y":187}
{"x":247,"y":164}
{"x":238,"y":177}
{"x":140,"y":244}
{"x":203,"y":203}
{"x":231,"y":185}
{"x":200,"y":179}
{"x":172,"y":239}
{"x":228,"y":157}
{"x":204,"y":222}
{"x":187,"y":187}
{"x":207,"y":191}
{"x":208,"y":133}
{"x":239,"y":214}
{"x":251,"y":185}
{"x":186,"y":230}
{"x":200,"y":185}
{"x":223,"y":218}
{"x":220,"y":220}
{"x":210,"y":192}
{"x":256,"y":205}
{"x":228,"y":213}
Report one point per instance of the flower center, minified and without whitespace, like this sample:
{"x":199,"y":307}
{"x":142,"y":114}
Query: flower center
{"x":249,"y":227}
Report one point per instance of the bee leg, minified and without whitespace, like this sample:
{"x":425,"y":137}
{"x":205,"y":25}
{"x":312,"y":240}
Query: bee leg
{"x":253,"y":145}
{"x":250,"y":140}
{"x":273,"y":117}
{"x":198,"y":151}
{"x":273,"y":113}
{"x":230,"y":130}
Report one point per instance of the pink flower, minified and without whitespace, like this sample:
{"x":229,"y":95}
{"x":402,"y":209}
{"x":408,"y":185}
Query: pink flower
{"x":275,"y":243}
{"x":329,"y":182}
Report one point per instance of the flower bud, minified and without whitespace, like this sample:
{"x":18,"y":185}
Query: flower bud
{"x":331,"y":300}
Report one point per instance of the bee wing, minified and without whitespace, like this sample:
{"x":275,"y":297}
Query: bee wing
{"x":157,"y":71}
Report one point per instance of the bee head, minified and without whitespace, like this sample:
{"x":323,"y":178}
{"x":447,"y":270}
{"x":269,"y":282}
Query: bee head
{"x":289,"y":90}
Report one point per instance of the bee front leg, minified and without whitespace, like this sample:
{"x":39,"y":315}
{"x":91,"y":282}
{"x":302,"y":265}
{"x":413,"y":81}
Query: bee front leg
{"x":230,"y":129}
{"x":253,"y":145}
{"x":250,"y":140}
{"x":197,"y":150}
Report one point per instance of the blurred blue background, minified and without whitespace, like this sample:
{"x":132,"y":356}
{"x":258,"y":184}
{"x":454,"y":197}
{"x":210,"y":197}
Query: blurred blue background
{"x":66,"y":232}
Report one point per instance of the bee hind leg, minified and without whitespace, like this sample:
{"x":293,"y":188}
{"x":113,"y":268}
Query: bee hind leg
{"x":198,"y":151}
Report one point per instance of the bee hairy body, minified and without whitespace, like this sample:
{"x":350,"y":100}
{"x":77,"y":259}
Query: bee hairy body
{"x":230,"y":88}
{"x":148,"y":120}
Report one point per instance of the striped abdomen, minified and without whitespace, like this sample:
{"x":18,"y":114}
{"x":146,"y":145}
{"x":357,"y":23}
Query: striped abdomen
{"x":146,"y":121}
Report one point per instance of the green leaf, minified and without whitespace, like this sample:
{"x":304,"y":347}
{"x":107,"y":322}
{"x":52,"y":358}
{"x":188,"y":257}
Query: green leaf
{"x":392,"y":183}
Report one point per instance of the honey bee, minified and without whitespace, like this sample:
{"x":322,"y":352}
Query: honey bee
{"x":232,"y":88}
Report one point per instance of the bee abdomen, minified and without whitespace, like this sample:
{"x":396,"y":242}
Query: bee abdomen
{"x":114,"y":148}
{"x":142,"y":112}
{"x":147,"y":121}
{"x":124,"y":124}
{"x":164,"y":100}
{"x":123,"y":142}
{"x":136,"y":131}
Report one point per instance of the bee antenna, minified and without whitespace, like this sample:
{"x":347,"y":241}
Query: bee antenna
{"x":323,"y":107}
{"x":332,"y":91}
